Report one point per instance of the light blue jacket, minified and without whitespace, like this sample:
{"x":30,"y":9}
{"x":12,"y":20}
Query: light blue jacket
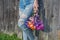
{"x":24,"y":3}
{"x":26,"y":8}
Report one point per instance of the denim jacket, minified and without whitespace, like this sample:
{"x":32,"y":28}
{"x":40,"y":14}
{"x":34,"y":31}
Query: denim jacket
{"x":25,"y":10}
{"x":24,"y":3}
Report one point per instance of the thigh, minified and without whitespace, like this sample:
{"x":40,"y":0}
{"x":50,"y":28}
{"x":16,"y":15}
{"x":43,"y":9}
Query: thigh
{"x":29,"y":33}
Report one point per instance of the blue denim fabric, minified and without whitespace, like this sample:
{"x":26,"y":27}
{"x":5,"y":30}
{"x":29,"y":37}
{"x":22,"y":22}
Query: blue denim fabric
{"x":24,"y":3}
{"x":27,"y":11}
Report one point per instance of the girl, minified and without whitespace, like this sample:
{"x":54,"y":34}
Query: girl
{"x":25,"y":11}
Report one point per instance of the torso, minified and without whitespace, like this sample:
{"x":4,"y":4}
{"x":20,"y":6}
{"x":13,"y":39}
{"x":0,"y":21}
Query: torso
{"x":24,"y":3}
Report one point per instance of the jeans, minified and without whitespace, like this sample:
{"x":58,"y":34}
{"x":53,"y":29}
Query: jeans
{"x":24,"y":15}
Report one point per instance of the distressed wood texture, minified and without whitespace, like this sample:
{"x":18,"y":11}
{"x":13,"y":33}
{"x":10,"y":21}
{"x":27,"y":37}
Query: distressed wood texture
{"x":8,"y":15}
{"x":51,"y":20}
{"x":50,"y":15}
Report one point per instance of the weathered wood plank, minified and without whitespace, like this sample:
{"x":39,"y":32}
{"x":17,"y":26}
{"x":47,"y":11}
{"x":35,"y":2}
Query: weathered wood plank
{"x":8,"y":14}
{"x":52,"y":15}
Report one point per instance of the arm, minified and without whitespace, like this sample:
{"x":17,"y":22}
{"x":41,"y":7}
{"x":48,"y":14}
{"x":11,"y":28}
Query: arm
{"x":36,"y":6}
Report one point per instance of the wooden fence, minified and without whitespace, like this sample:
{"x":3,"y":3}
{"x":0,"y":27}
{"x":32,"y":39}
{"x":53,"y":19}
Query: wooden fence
{"x":52,"y":20}
{"x":50,"y":15}
{"x":8,"y":15}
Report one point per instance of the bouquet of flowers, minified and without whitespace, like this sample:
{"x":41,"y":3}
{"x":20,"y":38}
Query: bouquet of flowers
{"x":35,"y":23}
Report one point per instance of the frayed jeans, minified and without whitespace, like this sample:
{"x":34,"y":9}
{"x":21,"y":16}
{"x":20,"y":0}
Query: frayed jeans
{"x":24,"y":15}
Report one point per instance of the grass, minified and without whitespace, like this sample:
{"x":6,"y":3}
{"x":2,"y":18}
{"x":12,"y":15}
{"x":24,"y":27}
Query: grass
{"x":8,"y":37}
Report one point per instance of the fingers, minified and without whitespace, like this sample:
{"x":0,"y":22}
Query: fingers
{"x":35,"y":9}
